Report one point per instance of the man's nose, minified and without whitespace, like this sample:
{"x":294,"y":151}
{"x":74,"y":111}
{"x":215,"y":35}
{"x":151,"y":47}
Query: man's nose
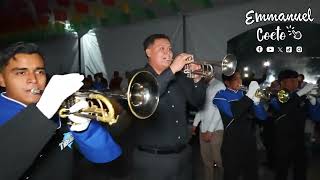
{"x":32,"y":78}
{"x":167,"y":51}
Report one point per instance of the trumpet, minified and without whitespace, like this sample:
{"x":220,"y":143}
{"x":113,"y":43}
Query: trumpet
{"x":262,"y":93}
{"x":265,"y":93}
{"x":284,"y":95}
{"x":228,"y":66}
{"x":142,"y":98}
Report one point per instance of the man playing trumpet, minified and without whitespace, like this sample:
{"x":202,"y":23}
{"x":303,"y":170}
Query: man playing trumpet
{"x":162,"y":151}
{"x":237,"y":109}
{"x":33,"y":143}
{"x":289,"y":123}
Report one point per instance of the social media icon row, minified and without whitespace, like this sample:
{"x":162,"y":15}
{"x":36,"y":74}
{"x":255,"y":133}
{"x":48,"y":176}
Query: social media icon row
{"x":287,"y":49}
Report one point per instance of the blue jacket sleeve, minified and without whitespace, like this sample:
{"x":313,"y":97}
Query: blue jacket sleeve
{"x":260,"y":112}
{"x":314,"y":112}
{"x":222,"y":104}
{"x":274,"y":104}
{"x":96,"y":144}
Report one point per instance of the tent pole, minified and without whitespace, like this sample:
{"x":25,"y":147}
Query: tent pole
{"x":184,"y":33}
{"x":79,"y":54}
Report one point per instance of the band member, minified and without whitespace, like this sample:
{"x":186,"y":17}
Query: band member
{"x":35,"y":145}
{"x":162,"y":151}
{"x":289,"y":122}
{"x":239,"y":151}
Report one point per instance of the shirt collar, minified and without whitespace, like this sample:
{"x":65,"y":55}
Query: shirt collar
{"x":10,"y":99}
{"x":235,"y":91}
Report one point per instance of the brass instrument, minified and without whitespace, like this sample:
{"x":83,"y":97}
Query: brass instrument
{"x":284,"y":95}
{"x":142,"y":98}
{"x":260,"y":93}
{"x":228,"y":66}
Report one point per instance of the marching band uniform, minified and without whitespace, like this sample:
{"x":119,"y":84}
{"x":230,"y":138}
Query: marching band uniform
{"x":289,"y":140}
{"x":33,"y":148}
{"x":239,"y":153}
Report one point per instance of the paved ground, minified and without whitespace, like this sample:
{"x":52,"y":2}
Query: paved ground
{"x":264,"y":172}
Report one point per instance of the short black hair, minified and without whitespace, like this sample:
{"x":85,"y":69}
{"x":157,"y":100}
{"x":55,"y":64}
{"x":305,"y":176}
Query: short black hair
{"x":287,"y":73}
{"x":301,"y":75}
{"x":229,"y":78}
{"x":17,"y":48}
{"x":150,"y":39}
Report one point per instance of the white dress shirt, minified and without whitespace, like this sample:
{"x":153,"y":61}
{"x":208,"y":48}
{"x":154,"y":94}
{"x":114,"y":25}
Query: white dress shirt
{"x":210,"y":116}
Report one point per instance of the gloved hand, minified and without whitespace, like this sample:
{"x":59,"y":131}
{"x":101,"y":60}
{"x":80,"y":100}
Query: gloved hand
{"x":253,"y":87}
{"x":58,"y":89}
{"x":306,"y":89}
{"x":78,"y":123}
{"x":256,"y":100}
{"x":314,"y":92}
{"x":312,"y":100}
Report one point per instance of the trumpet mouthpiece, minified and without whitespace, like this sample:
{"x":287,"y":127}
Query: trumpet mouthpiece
{"x":36,"y":91}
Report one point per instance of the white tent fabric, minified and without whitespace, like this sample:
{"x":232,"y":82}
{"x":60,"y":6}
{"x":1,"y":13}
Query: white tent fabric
{"x":91,"y":55}
{"x":207,"y":33}
{"x":122,"y":49}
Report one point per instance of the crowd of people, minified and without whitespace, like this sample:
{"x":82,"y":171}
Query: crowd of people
{"x":38,"y":144}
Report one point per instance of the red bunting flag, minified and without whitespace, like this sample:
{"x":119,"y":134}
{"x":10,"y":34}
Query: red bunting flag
{"x":41,"y":6}
{"x":64,"y":3}
{"x":59,"y":15}
{"x":43,"y":19}
{"x":108,"y":2}
{"x":17,"y":4}
{"x":25,"y":22}
{"x":81,"y":7}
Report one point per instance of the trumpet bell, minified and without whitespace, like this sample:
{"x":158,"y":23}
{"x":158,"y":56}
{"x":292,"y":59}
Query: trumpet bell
{"x":263,"y":94}
{"x":143,"y":94}
{"x":142,"y":97}
{"x":283,"y":96}
{"x":229,"y":64}
{"x":228,"y":67}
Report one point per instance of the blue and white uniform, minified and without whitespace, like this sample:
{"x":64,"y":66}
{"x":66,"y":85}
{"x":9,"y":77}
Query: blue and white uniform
{"x":26,"y":127}
{"x":288,"y":137}
{"x":225,"y":97}
{"x":239,"y":153}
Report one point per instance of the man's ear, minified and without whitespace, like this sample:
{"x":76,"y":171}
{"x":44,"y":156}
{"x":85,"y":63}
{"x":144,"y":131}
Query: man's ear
{"x":227,"y":83}
{"x":2,"y":81}
{"x":148,"y":52}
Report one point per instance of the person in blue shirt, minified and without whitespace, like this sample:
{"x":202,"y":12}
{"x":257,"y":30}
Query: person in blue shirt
{"x":237,"y":109}
{"x":34,"y":144}
{"x":289,"y":124}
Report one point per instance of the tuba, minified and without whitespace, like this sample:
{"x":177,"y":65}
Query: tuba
{"x":228,"y":66}
{"x":142,"y":98}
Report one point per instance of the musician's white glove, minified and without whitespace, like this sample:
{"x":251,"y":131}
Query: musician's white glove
{"x":306,"y":89}
{"x":78,"y":123}
{"x":253,"y":87}
{"x":58,"y":89}
{"x":256,"y":100}
{"x":312,"y":100}
{"x":314,"y":92}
